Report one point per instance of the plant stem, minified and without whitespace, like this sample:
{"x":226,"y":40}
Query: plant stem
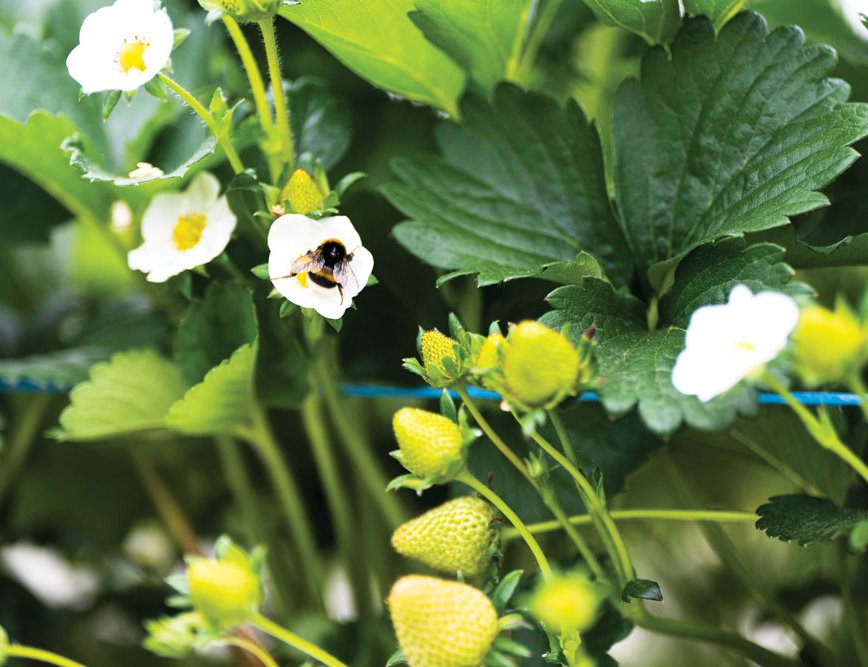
{"x":235,"y":473}
{"x":257,"y":88}
{"x":857,"y":386}
{"x":167,"y":506}
{"x":209,"y":120}
{"x":314,"y":426}
{"x":270,"y":627}
{"x":355,"y":444}
{"x":850,"y":613}
{"x":541,"y":23}
{"x":261,"y":436}
{"x":21,"y":439}
{"x":597,"y":509}
{"x":721,"y":516}
{"x":731,"y":640}
{"x":252,"y":648}
{"x":550,"y":500}
{"x":492,"y":435}
{"x":28,"y":653}
{"x":468,"y":479}
{"x":281,"y":111}
{"x":726,"y":551}
{"x":822,"y":432}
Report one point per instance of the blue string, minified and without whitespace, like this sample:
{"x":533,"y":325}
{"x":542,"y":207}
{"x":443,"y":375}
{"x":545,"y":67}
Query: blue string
{"x":387,"y":391}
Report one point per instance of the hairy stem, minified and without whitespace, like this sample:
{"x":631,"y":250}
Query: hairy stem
{"x":468,"y":479}
{"x":208,"y":119}
{"x":270,"y":627}
{"x":718,"y":516}
{"x":281,"y":110}
{"x":29,"y":653}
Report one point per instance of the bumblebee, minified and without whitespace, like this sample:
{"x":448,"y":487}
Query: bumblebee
{"x":327,"y":266}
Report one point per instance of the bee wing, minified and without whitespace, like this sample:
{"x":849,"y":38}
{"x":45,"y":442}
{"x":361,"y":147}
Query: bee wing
{"x":344,"y":276}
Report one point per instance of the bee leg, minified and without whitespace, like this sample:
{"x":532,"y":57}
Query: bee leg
{"x":341,"y":292}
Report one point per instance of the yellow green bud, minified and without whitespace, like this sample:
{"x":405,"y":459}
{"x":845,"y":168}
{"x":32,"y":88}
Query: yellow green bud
{"x":829,"y":345}
{"x":566,"y":603}
{"x":442,"y":623}
{"x":540,"y":366}
{"x":457,"y":536}
{"x":439,"y":357}
{"x":302,"y":193}
{"x":431,"y":445}
{"x":174,"y":636}
{"x":225,"y":592}
{"x":489,"y":353}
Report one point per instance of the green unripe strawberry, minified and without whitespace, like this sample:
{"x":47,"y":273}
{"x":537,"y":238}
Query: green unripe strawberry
{"x":457,"y":536}
{"x":442,"y":623}
{"x":224,"y":592}
{"x":540,"y":366}
{"x":439,"y":358}
{"x":567,"y":603}
{"x":302,"y":193}
{"x":431,"y":445}
{"x":829,"y":345}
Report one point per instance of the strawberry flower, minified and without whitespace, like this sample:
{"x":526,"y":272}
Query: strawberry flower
{"x":121,"y":47}
{"x":729,"y":342}
{"x":183,"y":230}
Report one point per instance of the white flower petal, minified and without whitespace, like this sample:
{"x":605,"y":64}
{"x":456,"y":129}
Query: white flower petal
{"x":362,"y":266}
{"x":726,"y":343}
{"x":338,"y":227}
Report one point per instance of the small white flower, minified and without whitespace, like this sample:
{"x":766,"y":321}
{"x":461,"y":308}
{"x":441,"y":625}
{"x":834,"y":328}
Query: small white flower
{"x":729,"y":342}
{"x":145,"y":171}
{"x":121,"y":47}
{"x":292,"y":237}
{"x":183,"y":230}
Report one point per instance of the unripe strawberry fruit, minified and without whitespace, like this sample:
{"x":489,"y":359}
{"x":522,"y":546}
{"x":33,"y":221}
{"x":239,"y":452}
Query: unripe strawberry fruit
{"x":436,"y":346}
{"x":566,"y":603}
{"x":828,"y":345}
{"x":302,"y":192}
{"x":455,"y":537}
{"x":489,"y":353}
{"x":224,"y":592}
{"x":441,"y":623}
{"x":540,"y":366}
{"x":430,"y":443}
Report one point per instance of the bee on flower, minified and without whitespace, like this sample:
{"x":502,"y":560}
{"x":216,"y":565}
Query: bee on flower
{"x":121,"y":47}
{"x":729,"y":342}
{"x":319,"y":264}
{"x":183,"y":230}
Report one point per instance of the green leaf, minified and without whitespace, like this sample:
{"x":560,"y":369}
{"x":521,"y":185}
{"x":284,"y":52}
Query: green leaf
{"x":806,"y":519}
{"x":851,"y":250}
{"x":719,"y":11}
{"x":520,"y":186}
{"x":735,"y":134}
{"x":320,"y":120}
{"x":642,"y":589}
{"x":379,"y":43}
{"x":504,"y":591}
{"x":708,"y":274}
{"x":223,"y":402}
{"x":213,"y":328}
{"x":484,"y":38}
{"x":130,"y":393}
{"x":654,"y":20}
{"x":594,"y":303}
{"x":282,"y":366}
{"x":93,"y":172}
{"x":57,"y":370}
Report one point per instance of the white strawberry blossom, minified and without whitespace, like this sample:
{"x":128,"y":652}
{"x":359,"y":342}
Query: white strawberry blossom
{"x":291,"y":237}
{"x":183,"y":230}
{"x":729,"y":342}
{"x":121,"y":47}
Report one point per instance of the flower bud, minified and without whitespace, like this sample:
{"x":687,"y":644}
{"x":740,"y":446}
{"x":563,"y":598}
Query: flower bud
{"x":431,"y":445}
{"x":457,"y":536}
{"x":442,"y":623}
{"x":439,"y":358}
{"x":244,"y":11}
{"x":565,"y":604}
{"x":174,"y":636}
{"x":490,"y":352}
{"x":540,"y":366}
{"x":829,"y":345}
{"x":225,"y":592}
{"x":302,"y":193}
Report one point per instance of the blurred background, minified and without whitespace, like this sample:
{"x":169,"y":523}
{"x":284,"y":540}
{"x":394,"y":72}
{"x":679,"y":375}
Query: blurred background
{"x":83,"y":551}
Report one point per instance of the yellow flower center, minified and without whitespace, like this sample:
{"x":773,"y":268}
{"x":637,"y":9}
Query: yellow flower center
{"x":132,"y":55}
{"x":746,"y":346}
{"x":188,"y":230}
{"x":302,"y":279}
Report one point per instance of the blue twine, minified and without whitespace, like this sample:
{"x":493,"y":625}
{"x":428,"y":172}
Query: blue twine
{"x":387,"y":391}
